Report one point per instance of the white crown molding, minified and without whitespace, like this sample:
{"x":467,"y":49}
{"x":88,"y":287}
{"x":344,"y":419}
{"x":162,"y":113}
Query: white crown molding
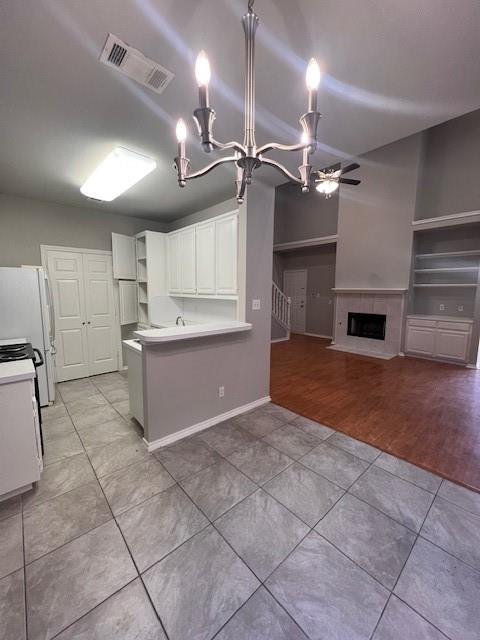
{"x":466,"y":217}
{"x":200,"y":426}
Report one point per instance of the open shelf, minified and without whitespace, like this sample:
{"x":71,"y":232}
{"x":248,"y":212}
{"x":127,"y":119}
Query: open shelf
{"x":446,"y":284}
{"x":449,"y":254}
{"x":447,"y":270}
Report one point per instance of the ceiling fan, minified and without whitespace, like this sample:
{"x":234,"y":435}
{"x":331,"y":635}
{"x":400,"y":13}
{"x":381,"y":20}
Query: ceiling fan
{"x":328,"y":180}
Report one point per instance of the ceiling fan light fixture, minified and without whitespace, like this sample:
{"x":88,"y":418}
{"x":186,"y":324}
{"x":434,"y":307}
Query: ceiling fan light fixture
{"x":327,"y":187}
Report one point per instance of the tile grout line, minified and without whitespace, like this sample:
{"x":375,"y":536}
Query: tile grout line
{"x":262,"y":582}
{"x":124,"y":541}
{"x":405,"y":563}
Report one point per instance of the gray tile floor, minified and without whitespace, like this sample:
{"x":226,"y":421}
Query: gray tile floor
{"x":269,"y":526}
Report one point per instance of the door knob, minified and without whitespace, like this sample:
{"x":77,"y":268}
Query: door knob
{"x":83,"y":322}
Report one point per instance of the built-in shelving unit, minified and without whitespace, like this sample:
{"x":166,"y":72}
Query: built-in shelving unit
{"x":444,"y":288}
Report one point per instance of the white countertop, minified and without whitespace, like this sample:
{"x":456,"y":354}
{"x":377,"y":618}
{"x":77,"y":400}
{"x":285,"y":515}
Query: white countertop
{"x":134,"y":345}
{"x":170,"y":334}
{"x":16,"y":370}
{"x":422,"y":316}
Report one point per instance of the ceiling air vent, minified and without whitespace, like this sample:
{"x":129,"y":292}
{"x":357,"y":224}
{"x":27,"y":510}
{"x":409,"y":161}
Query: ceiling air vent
{"x":135,"y":65}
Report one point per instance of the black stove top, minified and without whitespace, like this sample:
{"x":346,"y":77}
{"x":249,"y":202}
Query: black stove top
{"x":21,"y":351}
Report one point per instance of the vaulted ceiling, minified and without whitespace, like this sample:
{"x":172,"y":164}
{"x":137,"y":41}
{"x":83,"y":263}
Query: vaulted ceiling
{"x":391,"y":68}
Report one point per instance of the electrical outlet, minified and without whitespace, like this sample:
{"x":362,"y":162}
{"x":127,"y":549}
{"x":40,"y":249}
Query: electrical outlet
{"x":221,"y":392}
{"x":442,"y":307}
{"x":460,"y":307}
{"x":255,"y":305}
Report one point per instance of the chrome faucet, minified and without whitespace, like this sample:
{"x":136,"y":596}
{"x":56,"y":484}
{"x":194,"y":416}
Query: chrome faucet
{"x":181,"y":319}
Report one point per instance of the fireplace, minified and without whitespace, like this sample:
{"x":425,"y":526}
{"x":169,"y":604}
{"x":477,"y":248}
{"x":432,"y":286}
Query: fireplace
{"x":367,"y":325}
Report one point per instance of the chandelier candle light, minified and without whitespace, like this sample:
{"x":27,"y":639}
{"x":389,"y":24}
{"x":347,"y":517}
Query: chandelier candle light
{"x":247,"y":156}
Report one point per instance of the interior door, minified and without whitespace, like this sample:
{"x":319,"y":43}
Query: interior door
{"x":67,"y":285}
{"x":100,"y":313}
{"x":295,"y":287}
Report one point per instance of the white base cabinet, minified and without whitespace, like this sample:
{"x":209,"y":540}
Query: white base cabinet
{"x":20,"y":451}
{"x":437,"y":337}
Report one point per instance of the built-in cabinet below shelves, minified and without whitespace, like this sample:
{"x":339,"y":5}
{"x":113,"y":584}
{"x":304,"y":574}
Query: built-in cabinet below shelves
{"x":439,"y":337}
{"x":141,"y":261}
{"x":202,"y":258}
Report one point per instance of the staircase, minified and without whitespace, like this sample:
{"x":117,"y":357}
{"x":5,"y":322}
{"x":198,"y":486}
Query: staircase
{"x":280,"y":315}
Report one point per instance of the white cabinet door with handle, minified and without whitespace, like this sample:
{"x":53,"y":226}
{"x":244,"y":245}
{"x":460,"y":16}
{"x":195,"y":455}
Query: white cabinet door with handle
{"x":128,"y":301}
{"x":188,"y":260}
{"x":124,"y":257}
{"x":226,"y":253}
{"x":205,"y":258}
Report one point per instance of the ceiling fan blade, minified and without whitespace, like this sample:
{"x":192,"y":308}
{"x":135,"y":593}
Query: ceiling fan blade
{"x":349,"y":181}
{"x":350,"y":167}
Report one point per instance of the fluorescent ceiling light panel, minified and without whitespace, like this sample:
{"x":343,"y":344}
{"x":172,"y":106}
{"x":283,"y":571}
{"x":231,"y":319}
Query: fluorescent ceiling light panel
{"x":120,"y":170}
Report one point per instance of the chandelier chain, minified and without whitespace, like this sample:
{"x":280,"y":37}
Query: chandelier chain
{"x":250,"y":6}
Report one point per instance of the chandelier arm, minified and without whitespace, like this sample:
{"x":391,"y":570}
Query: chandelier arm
{"x":282,"y":169}
{"x":233,"y":144}
{"x":210,"y":167}
{"x":281,"y":147}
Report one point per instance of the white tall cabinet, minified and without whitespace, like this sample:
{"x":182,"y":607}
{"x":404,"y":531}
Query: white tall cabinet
{"x":142,"y":260}
{"x":202,"y":258}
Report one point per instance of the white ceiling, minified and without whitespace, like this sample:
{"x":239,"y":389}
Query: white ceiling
{"x":391,"y":67}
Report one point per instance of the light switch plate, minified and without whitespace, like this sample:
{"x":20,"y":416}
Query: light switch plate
{"x":255,"y":305}
{"x":442,"y":307}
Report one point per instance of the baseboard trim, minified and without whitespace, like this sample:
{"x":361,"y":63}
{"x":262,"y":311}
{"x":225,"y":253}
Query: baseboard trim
{"x":201,"y":426}
{"x":280,"y":339}
{"x":317,"y":335}
{"x":361,"y":352}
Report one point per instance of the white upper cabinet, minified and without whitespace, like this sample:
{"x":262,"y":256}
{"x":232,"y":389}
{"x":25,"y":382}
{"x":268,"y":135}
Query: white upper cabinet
{"x":226,"y":250}
{"x":174,"y":263}
{"x":188,"y":262}
{"x":205,"y":257}
{"x":202,"y":258}
{"x":128,"y":301}
{"x":124,"y":257}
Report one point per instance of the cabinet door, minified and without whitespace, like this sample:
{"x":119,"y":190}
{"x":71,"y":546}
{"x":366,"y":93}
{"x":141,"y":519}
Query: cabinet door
{"x":226,"y":241}
{"x":173,"y":250}
{"x":205,"y":257}
{"x":421,"y":340}
{"x":452,"y":344}
{"x":128,"y":301}
{"x":187,"y":260}
{"x":124,"y":257}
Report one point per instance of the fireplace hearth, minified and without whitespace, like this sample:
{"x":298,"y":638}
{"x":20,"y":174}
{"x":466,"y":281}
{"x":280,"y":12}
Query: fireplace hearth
{"x":367,"y":325}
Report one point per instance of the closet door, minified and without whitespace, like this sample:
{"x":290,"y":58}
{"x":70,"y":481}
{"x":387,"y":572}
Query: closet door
{"x":100,"y":313}
{"x":66,"y":273}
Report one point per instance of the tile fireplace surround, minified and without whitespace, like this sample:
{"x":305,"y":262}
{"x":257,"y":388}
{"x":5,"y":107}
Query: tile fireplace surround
{"x":390,"y":302}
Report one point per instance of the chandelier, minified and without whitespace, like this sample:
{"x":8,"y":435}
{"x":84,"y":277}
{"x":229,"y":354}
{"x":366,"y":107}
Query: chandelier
{"x":247,"y":157}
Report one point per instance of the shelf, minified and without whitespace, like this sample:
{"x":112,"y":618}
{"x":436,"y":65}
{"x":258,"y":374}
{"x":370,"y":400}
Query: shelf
{"x":142,"y":302}
{"x":445,"y":285}
{"x":447,"y":270}
{"x":142,"y":281}
{"x":449,"y":254}
{"x":142,"y":259}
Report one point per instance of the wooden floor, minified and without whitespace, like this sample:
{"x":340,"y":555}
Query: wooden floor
{"x":425,"y":412}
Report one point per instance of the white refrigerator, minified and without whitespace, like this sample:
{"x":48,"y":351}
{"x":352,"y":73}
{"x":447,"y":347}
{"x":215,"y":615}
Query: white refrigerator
{"x":26,"y":312}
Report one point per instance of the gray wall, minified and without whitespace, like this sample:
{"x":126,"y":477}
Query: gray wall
{"x":204,"y":214}
{"x":450,"y":177}
{"x":26,"y":224}
{"x":375,"y":218}
{"x":320,"y":265}
{"x":300,"y":216}
{"x":182,"y":379}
